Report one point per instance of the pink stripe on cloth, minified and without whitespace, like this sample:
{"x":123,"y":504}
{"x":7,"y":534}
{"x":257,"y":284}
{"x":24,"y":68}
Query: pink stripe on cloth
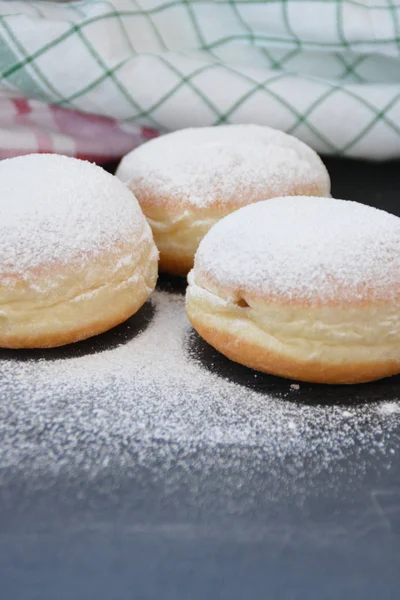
{"x":28,"y":126}
{"x":22,"y":106}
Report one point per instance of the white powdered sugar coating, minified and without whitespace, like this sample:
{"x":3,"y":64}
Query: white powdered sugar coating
{"x":233,"y":164}
{"x":55,"y":208}
{"x":156,"y":396}
{"x":310,"y":249}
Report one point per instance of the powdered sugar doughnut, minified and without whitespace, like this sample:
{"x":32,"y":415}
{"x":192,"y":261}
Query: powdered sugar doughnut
{"x":76,"y":253}
{"x":187,"y":180}
{"x":306,"y":288}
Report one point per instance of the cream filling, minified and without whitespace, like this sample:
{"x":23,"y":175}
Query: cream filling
{"x":338,"y":334}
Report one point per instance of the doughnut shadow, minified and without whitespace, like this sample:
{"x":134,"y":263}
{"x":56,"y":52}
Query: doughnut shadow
{"x":308,"y":393}
{"x":173,"y":284}
{"x":121,"y":334}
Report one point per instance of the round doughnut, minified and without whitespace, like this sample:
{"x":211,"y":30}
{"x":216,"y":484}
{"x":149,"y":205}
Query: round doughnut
{"x":77,"y":255}
{"x":304,"y":288}
{"x":188,"y":180}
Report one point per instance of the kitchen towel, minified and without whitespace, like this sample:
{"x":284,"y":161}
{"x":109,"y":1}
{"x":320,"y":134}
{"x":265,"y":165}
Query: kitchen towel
{"x":94,"y":78}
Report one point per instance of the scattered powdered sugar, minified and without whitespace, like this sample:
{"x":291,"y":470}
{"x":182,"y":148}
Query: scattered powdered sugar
{"x":235,"y":164}
{"x":55,"y":208}
{"x":162,"y":389}
{"x":313,"y":248}
{"x":389,"y":408}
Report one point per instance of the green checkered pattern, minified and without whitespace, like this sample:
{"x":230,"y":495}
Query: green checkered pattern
{"x":326,"y":71}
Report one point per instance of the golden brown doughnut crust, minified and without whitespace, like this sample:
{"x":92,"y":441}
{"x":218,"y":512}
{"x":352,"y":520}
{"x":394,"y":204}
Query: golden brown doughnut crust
{"x":305,"y":288}
{"x":77,"y":255}
{"x":85,"y":303}
{"x":257,"y":356}
{"x":175,"y":264}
